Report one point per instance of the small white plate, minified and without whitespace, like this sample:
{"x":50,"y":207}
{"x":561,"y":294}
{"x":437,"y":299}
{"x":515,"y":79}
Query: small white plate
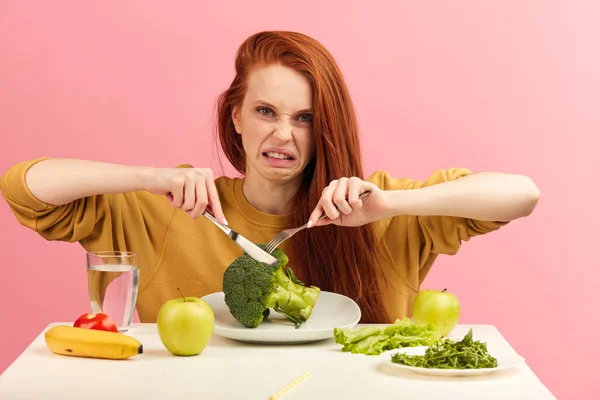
{"x":504,"y":362}
{"x":332,"y":310}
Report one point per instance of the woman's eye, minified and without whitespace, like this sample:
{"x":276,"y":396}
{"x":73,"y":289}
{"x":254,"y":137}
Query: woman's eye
{"x":305,"y":117}
{"x":264,"y":111}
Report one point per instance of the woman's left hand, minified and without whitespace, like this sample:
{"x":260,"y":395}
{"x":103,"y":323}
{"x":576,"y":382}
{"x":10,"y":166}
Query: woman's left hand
{"x":340,"y":202}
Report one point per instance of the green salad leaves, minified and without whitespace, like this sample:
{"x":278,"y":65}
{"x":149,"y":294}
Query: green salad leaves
{"x":447,"y":354}
{"x":374,"y":340}
{"x":441,"y":352}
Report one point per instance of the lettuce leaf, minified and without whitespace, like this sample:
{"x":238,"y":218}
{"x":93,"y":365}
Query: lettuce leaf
{"x":372,"y":340}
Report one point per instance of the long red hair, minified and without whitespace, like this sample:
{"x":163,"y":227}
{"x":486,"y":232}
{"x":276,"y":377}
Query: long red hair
{"x":344,"y":260}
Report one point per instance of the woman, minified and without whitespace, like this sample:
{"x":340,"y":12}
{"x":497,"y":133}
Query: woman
{"x":287,"y":124}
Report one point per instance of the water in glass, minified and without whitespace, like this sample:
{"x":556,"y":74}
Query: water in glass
{"x":113,"y":290}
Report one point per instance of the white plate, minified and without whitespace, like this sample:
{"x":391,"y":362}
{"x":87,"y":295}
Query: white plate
{"x":332,"y":310}
{"x":504,"y":362}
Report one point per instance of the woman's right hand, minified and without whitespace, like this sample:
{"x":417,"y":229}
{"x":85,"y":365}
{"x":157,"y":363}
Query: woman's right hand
{"x":60,"y":181}
{"x":190,"y":189}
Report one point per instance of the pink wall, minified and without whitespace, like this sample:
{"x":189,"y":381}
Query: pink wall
{"x":508,"y":86}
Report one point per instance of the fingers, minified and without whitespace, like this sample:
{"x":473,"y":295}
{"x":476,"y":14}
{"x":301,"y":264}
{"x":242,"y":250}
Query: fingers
{"x":189,"y":194}
{"x":177,"y":192}
{"x":327,"y":203}
{"x":338,"y":199}
{"x":213,"y":201}
{"x":355,"y":188}
{"x":193,"y":190}
{"x":200,"y":201}
{"x":314,"y":217}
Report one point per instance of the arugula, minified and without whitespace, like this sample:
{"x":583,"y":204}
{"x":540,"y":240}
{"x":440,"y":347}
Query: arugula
{"x":447,"y":354}
{"x":372,"y":340}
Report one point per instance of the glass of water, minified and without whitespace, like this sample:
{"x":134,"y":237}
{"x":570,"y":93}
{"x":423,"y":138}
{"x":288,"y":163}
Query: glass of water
{"x":113,"y":278}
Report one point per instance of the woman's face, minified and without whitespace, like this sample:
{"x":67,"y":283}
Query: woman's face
{"x":275,"y":121}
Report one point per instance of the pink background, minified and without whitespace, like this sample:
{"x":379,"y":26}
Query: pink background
{"x":493,"y":85}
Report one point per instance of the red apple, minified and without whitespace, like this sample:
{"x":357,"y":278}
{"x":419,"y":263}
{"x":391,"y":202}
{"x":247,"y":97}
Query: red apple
{"x":100,"y":321}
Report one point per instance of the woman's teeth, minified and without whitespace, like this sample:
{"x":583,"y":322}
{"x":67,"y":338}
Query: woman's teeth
{"x":278,"y":155}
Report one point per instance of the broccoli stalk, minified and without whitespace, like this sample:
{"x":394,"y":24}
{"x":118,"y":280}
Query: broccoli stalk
{"x":292,"y":298}
{"x":252,"y":288}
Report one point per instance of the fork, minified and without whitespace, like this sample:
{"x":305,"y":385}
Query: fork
{"x":288,"y":233}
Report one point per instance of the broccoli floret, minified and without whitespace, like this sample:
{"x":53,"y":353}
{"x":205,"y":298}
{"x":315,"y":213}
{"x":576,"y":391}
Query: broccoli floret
{"x":252,"y":288}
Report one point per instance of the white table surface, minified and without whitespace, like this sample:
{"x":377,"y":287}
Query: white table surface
{"x":233,"y":370}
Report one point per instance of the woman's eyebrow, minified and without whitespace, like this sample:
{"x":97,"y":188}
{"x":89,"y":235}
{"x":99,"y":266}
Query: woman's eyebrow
{"x":267,"y":104}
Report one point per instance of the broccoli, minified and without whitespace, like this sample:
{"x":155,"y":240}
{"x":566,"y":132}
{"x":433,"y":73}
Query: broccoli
{"x":252,"y":288}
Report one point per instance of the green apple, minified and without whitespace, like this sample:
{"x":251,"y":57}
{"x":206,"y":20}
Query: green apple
{"x":441,"y":309}
{"x":185,"y":325}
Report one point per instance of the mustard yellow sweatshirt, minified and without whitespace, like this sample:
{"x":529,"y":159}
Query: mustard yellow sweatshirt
{"x":192,"y":254}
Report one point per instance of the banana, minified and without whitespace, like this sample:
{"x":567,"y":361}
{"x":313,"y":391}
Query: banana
{"x":93,"y":343}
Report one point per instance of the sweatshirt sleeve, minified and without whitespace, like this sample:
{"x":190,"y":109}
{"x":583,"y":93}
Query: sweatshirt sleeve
{"x":426,"y":235}
{"x":135,"y":221}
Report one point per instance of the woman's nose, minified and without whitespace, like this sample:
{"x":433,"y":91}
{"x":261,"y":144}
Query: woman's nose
{"x":284,"y":130}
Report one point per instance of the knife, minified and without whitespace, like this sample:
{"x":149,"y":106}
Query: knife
{"x":250,"y":248}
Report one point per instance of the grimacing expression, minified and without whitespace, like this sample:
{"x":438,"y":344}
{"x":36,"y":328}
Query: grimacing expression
{"x":275,"y":122}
